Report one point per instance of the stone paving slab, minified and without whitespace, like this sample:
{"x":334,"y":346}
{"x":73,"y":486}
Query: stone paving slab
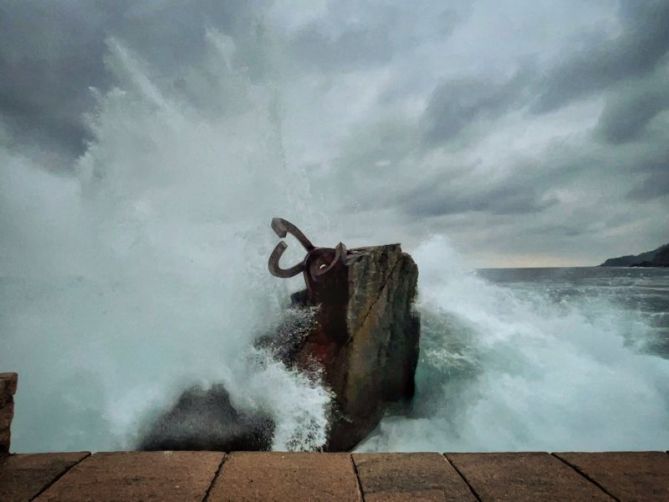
{"x":130,"y":476}
{"x":23,"y":477}
{"x":523,"y":477}
{"x":286,"y":477}
{"x":409,"y":477}
{"x":626,"y":475}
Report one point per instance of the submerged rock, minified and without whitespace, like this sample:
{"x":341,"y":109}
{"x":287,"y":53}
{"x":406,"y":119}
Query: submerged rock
{"x":364,"y":342}
{"x":206,"y":420}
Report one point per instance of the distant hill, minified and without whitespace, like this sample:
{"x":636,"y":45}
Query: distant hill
{"x":656,"y":258}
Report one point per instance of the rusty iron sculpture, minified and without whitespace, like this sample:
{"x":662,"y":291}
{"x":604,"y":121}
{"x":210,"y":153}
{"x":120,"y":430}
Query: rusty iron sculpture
{"x":317,"y":263}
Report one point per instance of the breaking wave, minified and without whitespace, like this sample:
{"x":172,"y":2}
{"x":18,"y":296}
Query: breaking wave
{"x":144,"y":274}
{"x":503,"y":370}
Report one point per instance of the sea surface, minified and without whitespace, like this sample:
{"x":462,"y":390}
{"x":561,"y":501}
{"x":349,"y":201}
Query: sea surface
{"x":511,"y":359}
{"x":642,"y":292}
{"x":538,"y":359}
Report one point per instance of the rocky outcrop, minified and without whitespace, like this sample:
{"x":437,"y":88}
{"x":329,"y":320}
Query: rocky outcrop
{"x":353,"y":328}
{"x":657,"y":258}
{"x":8,"y":383}
{"x":364,"y":342}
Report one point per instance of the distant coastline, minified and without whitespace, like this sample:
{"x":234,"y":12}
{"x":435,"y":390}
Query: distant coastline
{"x":657,"y":258}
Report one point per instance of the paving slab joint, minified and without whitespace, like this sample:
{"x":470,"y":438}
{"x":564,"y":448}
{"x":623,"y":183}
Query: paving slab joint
{"x":585,"y":475}
{"x":471,"y":488}
{"x":55,"y":480}
{"x":357,"y":478}
{"x":216,"y":475}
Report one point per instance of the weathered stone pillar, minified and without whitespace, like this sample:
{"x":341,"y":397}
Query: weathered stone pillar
{"x":365,"y":339}
{"x":7,"y":391}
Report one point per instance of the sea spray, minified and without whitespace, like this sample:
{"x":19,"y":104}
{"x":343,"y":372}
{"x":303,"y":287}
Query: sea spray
{"x":506,"y":371}
{"x":146,"y":273}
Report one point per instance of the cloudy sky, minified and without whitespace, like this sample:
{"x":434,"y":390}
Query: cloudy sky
{"x":530,"y":132}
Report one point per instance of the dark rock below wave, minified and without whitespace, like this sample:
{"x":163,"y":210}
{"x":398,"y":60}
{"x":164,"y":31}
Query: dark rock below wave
{"x":657,"y":258}
{"x":206,"y":420}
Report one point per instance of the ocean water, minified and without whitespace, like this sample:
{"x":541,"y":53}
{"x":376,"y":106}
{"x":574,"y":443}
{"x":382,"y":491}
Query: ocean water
{"x":511,"y":359}
{"x":140,"y":270}
{"x":537,"y":359}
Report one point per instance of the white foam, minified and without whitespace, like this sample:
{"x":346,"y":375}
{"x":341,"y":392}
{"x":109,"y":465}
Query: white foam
{"x":501,"y":371}
{"x":147,"y":272}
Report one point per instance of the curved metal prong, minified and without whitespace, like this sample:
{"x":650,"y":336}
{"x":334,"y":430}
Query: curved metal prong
{"x":273,"y":263}
{"x":284,"y":227}
{"x":340,"y":253}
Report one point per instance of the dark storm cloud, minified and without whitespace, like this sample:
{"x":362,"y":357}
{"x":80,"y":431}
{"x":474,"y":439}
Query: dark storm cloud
{"x":390,"y":100}
{"x":51,"y":53}
{"x":530,"y":189}
{"x":644,"y":40}
{"x":508,"y":198}
{"x":525,"y":188}
{"x":655,"y":180}
{"x":455,"y":104}
{"x":629,"y":110}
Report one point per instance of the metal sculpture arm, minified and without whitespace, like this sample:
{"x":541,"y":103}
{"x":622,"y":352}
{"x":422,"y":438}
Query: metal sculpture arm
{"x":283,"y":227}
{"x":316,"y":263}
{"x":274,"y":267}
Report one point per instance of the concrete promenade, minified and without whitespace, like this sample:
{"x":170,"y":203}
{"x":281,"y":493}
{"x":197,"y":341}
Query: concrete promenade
{"x":198,"y":476}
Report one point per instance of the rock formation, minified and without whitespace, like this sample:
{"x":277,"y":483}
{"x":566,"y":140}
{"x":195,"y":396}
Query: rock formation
{"x":7,"y":390}
{"x":657,"y":258}
{"x":364,"y":341}
{"x":206,"y":420}
{"x":354,"y":328}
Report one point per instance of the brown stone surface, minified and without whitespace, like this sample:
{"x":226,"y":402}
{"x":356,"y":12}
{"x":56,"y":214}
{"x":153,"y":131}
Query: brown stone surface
{"x":5,"y":440}
{"x":22,"y":477}
{"x":286,"y":477}
{"x":6,"y":415}
{"x":409,"y":477}
{"x":5,"y":437}
{"x":365,"y":338}
{"x":8,"y":382}
{"x":318,"y":476}
{"x":164,"y":476}
{"x":523,"y":476}
{"x":626,"y":475}
{"x":7,"y":390}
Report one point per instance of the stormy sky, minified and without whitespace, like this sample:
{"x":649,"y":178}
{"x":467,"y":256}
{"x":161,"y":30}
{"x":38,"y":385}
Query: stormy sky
{"x":530,"y":132}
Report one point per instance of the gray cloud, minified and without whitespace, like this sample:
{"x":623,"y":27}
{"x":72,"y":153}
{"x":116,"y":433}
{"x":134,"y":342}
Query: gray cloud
{"x":512,"y":196}
{"x":426,"y":111}
{"x":644,"y":40}
{"x":355,"y":48}
{"x":455,"y":104}
{"x":352,"y":37}
{"x":51,"y":53}
{"x":655,"y":180}
{"x":629,"y":110}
